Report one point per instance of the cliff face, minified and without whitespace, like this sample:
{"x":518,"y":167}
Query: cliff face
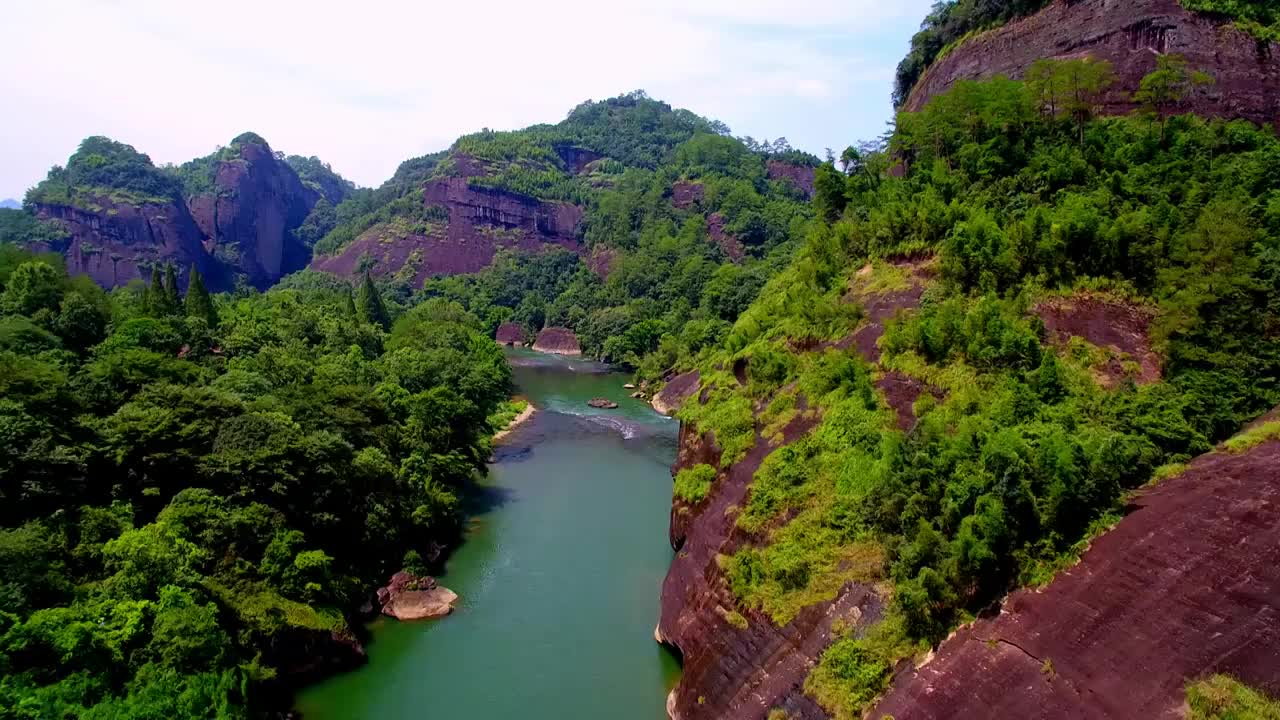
{"x":114,"y":242}
{"x":474,"y":223}
{"x":1187,"y":585}
{"x":1129,"y":34}
{"x":731,"y":671}
{"x":249,"y":218}
{"x":737,"y":663}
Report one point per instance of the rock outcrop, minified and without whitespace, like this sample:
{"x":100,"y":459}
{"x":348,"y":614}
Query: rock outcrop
{"x":1188,"y":584}
{"x":675,"y":392}
{"x":409,"y":597}
{"x":511,"y":335}
{"x":114,"y":240}
{"x":800,"y":176}
{"x":249,"y":218}
{"x":468,"y":226}
{"x":558,"y":341}
{"x":1129,"y":35}
{"x":737,"y":663}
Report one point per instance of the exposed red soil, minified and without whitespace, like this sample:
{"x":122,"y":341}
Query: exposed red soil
{"x":800,"y":176}
{"x":1130,"y":35}
{"x":1120,"y":327}
{"x":880,"y":307}
{"x":731,"y":246}
{"x":1186,"y":585}
{"x":901,"y":392}
{"x":602,"y":261}
{"x":684,"y":195}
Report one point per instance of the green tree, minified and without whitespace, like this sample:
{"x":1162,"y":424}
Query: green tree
{"x":369,"y":301}
{"x":198,"y":303}
{"x":172,"y":296}
{"x":34,"y":288}
{"x":1169,"y":84}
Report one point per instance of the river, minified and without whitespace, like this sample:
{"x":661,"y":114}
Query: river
{"x":558,"y":576}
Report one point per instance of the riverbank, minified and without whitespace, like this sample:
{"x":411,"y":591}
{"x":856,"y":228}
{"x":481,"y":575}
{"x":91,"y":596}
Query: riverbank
{"x":559,"y":589}
{"x":524,"y":416}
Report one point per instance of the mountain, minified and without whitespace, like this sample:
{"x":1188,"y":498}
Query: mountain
{"x":232,"y":214}
{"x":628,"y":214}
{"x":1033,"y":304}
{"x":10,"y":204}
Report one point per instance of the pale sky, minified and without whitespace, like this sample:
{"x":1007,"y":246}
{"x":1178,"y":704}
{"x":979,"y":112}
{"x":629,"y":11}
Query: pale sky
{"x":365,"y":85}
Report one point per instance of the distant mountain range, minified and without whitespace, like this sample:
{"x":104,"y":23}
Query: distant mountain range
{"x":10,"y":203}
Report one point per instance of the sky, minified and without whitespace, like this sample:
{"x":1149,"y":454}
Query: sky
{"x":367,"y":85}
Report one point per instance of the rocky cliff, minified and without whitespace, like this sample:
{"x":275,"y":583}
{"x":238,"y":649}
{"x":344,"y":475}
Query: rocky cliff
{"x":115,"y":240}
{"x":1187,"y":585}
{"x":1129,"y":35}
{"x":249,"y":216}
{"x":463,"y":226}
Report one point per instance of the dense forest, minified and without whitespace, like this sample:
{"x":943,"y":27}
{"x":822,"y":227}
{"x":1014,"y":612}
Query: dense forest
{"x":1006,"y":196}
{"x":197,"y":491}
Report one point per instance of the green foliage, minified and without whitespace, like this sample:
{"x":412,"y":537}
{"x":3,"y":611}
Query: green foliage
{"x":1259,"y":18}
{"x":22,"y":228}
{"x":183,"y":501}
{"x":1222,"y":697}
{"x":370,"y":306}
{"x":1018,"y":457}
{"x":101,"y":166}
{"x":693,"y":484}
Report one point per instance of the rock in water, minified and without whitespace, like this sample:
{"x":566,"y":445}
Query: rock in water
{"x":602,"y":403}
{"x":409,"y":597}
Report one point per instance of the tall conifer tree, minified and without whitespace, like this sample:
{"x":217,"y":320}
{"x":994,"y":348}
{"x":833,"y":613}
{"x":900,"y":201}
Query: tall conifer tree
{"x":198,"y":303}
{"x":369,"y":302}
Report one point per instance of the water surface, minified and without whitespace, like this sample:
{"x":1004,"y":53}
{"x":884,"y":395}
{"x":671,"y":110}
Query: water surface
{"x":559,"y":575}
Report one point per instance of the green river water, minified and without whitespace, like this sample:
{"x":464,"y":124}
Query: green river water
{"x":559,"y":575}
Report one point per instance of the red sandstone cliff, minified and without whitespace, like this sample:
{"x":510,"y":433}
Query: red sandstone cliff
{"x":249,"y":218}
{"x":474,"y":224}
{"x":1129,"y":35}
{"x":114,"y":242}
{"x":1187,"y":585}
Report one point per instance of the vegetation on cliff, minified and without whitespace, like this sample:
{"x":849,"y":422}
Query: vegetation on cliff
{"x":670,"y":202}
{"x":951,"y":22}
{"x":1222,"y":697}
{"x":1020,"y":450}
{"x":194,"y":494}
{"x":103,"y":167}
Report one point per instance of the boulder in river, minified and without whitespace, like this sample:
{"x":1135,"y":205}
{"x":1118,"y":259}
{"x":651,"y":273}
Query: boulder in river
{"x":602,"y":403}
{"x":409,"y":597}
{"x":629,"y":386}
{"x":557,"y":340}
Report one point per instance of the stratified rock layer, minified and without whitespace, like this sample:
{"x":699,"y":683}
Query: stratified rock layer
{"x":115,"y":242}
{"x":475,"y":222}
{"x":1128,"y":34}
{"x":1186,"y":585}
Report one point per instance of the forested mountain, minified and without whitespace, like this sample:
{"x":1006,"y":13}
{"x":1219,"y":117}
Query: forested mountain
{"x":955,"y":383}
{"x":235,"y":215}
{"x":625,"y":222}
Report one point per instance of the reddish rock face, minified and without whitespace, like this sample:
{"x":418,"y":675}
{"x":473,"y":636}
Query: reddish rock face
{"x":1128,"y":34}
{"x":1188,"y":584}
{"x":731,"y":246}
{"x":602,"y":261}
{"x":675,"y":392}
{"x":249,"y":218}
{"x":730,"y":671}
{"x":479,"y":222}
{"x":510,"y":334}
{"x":577,"y":159}
{"x":114,"y":243}
{"x":799,"y":175}
{"x":1114,"y":326}
{"x":559,"y":341}
{"x":685,"y":195}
